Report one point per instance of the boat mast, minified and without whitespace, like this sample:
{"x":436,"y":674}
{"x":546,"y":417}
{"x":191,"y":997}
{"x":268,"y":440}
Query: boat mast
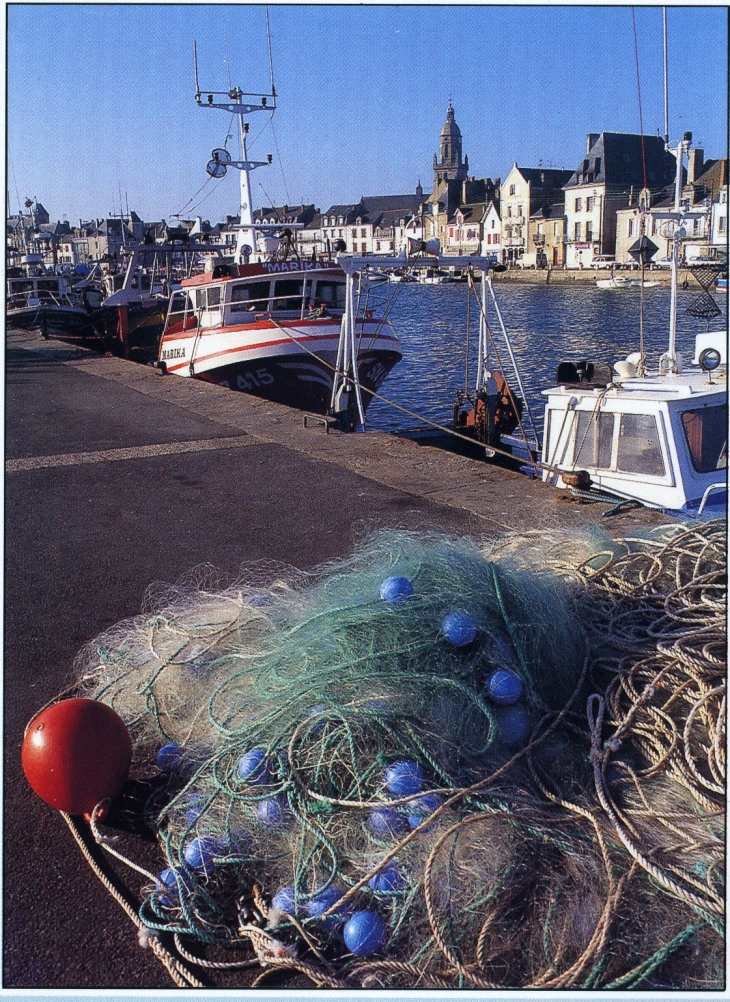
{"x":670,"y":361}
{"x":237,"y":103}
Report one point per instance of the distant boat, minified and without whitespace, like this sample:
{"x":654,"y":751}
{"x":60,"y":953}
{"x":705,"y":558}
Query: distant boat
{"x":46,"y":301}
{"x":721,"y":283}
{"x":432,"y":276}
{"x":623,"y":282}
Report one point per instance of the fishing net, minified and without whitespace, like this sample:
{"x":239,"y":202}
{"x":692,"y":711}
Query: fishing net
{"x":434,"y":765}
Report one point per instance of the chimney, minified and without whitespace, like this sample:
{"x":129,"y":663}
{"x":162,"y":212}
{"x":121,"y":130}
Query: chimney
{"x":695,"y":164}
{"x":591,"y":140}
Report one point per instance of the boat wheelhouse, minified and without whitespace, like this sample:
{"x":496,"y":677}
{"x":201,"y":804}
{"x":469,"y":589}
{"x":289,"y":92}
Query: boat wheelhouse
{"x":660,"y":439}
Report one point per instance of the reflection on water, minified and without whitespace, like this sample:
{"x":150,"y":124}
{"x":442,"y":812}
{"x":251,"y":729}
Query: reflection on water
{"x":547,"y":325}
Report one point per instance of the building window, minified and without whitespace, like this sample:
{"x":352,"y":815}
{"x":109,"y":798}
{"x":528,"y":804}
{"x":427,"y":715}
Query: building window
{"x":630,"y":230}
{"x":597,"y":168}
{"x":362,"y":233}
{"x":721,"y":224}
{"x":590,"y":202}
{"x":354,"y":234}
{"x":511,"y":189}
{"x":519,"y":210}
{"x":577,"y":231}
{"x":578,"y":204}
{"x":589,"y":232}
{"x":556,"y":229}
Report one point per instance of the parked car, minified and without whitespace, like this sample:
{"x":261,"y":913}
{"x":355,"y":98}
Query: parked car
{"x":603,"y":261}
{"x":663,"y":262}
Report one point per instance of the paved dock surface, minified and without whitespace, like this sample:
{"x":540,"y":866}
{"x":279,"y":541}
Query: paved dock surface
{"x":117,"y":476}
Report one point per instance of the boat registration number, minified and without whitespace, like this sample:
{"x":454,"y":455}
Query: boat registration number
{"x":250,"y":380}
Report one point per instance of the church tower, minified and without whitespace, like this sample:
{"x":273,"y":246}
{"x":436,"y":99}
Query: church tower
{"x":448,"y":165}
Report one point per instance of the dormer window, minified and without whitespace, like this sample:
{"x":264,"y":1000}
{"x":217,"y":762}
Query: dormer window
{"x":598,"y":166}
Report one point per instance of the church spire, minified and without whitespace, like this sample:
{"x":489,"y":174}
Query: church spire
{"x":449,"y":166}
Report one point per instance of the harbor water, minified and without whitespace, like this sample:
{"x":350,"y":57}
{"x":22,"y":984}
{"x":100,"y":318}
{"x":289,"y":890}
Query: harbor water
{"x":546,"y":325}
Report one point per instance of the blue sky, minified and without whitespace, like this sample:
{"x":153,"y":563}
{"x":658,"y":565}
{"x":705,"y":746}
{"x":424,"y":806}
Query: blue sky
{"x":100,"y":108}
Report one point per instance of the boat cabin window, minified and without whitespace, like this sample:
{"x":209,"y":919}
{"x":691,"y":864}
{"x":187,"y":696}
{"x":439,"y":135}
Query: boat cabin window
{"x":287,"y":294}
{"x":639,"y":449}
{"x":250,"y":296}
{"x":594,"y":439}
{"x":706,"y":433}
{"x":331,"y":293}
{"x":180,"y":303}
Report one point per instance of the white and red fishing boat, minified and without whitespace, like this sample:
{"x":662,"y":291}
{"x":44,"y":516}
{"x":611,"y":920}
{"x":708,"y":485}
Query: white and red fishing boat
{"x":307,"y":333}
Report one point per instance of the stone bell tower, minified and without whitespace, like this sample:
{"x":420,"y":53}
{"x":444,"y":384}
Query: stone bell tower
{"x":448,"y":166}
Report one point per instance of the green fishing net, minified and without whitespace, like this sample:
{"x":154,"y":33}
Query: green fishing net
{"x":391,"y":771}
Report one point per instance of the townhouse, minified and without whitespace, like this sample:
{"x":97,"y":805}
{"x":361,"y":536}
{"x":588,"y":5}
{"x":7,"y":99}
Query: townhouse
{"x":615,"y":169}
{"x":701,"y":199}
{"x":524,"y":191}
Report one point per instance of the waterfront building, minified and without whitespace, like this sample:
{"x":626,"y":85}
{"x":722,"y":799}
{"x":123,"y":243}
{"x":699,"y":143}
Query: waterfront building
{"x":546,"y":236}
{"x":701,"y":196}
{"x":369,"y":226}
{"x":464,"y":229}
{"x":612,"y":171}
{"x":492,"y":232}
{"x":524,"y":191}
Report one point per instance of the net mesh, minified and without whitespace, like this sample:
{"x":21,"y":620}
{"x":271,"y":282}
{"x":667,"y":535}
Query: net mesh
{"x":515,"y":773}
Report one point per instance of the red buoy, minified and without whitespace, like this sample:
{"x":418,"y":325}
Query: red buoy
{"x":75,"y":754}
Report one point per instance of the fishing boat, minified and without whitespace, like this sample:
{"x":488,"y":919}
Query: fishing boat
{"x":721,"y":283}
{"x":137,"y":296}
{"x":658,"y":437}
{"x":47,"y":301}
{"x":308,"y":333}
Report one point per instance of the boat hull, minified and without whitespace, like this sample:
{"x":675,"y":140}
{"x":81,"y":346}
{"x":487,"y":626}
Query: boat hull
{"x":51,"y":319}
{"x":287,"y":362}
{"x":301,"y":381}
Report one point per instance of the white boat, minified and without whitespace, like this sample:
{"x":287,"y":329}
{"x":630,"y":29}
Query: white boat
{"x":432,"y":276}
{"x":309,"y":334}
{"x":623,"y":282}
{"x":657,"y":436}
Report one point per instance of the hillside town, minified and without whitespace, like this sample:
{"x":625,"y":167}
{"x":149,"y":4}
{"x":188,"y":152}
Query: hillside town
{"x":536,"y":217}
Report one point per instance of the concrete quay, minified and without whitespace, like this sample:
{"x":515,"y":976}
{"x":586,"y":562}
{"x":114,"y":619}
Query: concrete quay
{"x":117,"y":476}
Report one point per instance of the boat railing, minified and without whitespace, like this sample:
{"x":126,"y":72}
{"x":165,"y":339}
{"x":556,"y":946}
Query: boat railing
{"x":31,"y":298}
